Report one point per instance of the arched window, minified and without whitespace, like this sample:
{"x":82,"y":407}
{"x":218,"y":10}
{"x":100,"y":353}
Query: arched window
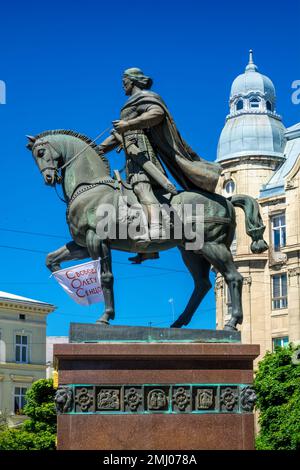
{"x":239,"y":105}
{"x":269,"y":106}
{"x":229,"y":188}
{"x":254,"y":102}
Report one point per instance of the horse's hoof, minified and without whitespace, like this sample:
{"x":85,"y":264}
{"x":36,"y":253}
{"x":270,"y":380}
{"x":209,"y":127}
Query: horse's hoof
{"x":176,"y":325}
{"x":102,"y":322}
{"x":230,"y":328}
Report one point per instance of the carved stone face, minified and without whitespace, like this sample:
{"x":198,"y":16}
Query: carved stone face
{"x":127,"y":86}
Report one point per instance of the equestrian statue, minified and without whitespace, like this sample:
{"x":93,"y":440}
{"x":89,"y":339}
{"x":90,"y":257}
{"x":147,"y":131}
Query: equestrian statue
{"x":155,"y":153}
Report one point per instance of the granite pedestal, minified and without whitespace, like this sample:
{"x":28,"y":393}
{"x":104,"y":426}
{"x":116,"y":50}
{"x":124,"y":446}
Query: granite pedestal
{"x":154,"y":394}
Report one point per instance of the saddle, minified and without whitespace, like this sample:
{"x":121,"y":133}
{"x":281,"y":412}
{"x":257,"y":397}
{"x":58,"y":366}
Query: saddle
{"x":129,"y":208}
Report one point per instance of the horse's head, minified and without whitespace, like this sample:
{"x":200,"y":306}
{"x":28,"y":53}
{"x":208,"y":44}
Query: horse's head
{"x":46,"y":157}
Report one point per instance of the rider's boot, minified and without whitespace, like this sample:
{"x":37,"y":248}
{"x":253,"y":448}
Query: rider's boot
{"x":140,"y":257}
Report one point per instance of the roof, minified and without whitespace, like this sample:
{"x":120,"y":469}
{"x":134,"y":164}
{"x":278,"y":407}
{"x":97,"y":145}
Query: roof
{"x":6,"y":296}
{"x":275,"y":185}
{"x":251,"y":134}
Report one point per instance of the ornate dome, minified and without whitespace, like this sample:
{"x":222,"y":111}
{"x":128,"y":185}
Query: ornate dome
{"x":253,"y":127}
{"x":253,"y":81}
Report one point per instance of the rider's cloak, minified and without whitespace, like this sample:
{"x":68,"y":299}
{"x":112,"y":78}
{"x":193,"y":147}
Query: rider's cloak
{"x":187,"y":168}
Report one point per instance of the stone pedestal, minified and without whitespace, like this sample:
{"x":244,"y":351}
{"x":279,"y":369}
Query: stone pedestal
{"x":155,"y":395}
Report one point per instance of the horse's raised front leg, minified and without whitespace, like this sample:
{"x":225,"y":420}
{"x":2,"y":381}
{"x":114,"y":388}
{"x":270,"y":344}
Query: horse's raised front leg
{"x":100,"y":249}
{"x":199,"y":269}
{"x":70,"y":251}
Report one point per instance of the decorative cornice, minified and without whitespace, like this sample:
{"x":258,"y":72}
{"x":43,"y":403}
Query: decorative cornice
{"x":248,"y":94}
{"x":255,"y":112}
{"x":272,"y":200}
{"x":238,"y":160}
{"x":22,"y":366}
{"x":28,"y":308}
{"x":22,"y":378}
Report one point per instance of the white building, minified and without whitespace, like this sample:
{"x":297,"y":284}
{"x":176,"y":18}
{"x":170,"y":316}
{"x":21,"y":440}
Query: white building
{"x":22,"y":350}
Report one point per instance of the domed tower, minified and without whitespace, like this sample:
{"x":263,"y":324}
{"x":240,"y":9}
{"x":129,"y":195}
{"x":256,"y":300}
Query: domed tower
{"x":252,"y":141}
{"x":251,"y":147}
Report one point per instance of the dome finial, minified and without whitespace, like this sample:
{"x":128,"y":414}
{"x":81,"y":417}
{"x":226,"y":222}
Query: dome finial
{"x":251,"y":65}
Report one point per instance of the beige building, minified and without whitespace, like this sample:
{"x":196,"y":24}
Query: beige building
{"x":22,"y":350}
{"x":261,"y":158}
{"x":50,"y":342}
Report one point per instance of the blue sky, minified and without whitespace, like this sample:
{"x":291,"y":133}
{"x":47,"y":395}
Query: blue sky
{"x":62,"y":64}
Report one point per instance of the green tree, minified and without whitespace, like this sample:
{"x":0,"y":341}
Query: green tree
{"x":39,"y":431}
{"x":277,"y":384}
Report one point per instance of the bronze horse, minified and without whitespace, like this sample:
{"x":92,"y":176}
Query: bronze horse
{"x":87,"y":184}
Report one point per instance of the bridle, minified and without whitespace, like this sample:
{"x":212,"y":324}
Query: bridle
{"x":57,"y":170}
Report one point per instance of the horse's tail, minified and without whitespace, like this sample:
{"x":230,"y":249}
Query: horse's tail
{"x":253,"y":221}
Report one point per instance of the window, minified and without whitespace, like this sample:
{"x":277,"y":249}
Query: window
{"x":269,"y":106}
{"x":22,"y":316}
{"x":19,"y":399}
{"x":229,"y":188}
{"x":278,"y":231}
{"x":254,"y":103}
{"x":233,"y":247}
{"x":281,"y":342}
{"x":279,"y":291}
{"x":228,"y":301}
{"x":21,"y":348}
{"x":2,"y":349}
{"x":239,"y":105}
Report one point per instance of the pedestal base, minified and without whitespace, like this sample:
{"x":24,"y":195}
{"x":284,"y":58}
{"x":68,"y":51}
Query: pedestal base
{"x":155,"y":396}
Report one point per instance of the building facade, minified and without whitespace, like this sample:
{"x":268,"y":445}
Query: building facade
{"x":50,"y":341}
{"x":261,"y":158}
{"x":22,"y":351}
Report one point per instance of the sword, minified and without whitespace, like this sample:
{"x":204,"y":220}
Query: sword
{"x":132,"y":150}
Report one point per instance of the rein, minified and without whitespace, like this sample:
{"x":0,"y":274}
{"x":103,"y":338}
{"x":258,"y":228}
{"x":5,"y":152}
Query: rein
{"x":84,"y":148}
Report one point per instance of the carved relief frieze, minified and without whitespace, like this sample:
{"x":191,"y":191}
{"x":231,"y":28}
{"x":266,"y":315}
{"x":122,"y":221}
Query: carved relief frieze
{"x":139,"y":399}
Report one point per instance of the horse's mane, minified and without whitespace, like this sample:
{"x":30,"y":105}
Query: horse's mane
{"x":82,"y":137}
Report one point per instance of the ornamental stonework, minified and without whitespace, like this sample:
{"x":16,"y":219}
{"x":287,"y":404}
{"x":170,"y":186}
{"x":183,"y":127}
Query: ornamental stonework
{"x":108,"y":399}
{"x":181,"y":399}
{"x":205,"y":399}
{"x":247,"y":281}
{"x":139,"y":398}
{"x":294,"y":272}
{"x":229,"y":399}
{"x":64,"y":399}
{"x":157,"y":399}
{"x":84,"y":399}
{"x":248,"y":398}
{"x":133,"y":399}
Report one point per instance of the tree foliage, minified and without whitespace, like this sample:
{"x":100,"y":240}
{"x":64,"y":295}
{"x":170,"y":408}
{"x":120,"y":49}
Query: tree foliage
{"x":277,"y":384}
{"x":39,"y":431}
